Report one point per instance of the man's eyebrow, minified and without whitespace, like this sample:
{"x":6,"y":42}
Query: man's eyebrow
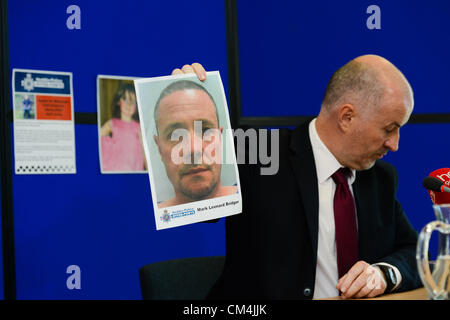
{"x":395,"y":123}
{"x":173,"y":126}
{"x":207,"y":122}
{"x":176,"y":125}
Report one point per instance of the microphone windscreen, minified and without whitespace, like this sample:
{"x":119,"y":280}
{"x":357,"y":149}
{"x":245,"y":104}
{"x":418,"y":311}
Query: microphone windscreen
{"x":443,"y":175}
{"x":432,"y":183}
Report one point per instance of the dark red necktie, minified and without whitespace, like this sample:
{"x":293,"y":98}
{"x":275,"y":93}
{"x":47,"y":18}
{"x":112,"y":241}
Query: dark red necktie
{"x":345,"y":223}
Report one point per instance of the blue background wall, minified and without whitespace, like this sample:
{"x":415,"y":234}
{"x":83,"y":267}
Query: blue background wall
{"x":104,"y":223}
{"x":288,"y":51}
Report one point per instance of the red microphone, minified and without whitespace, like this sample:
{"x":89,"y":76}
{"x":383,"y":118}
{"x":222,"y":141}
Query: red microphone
{"x":443,"y":175}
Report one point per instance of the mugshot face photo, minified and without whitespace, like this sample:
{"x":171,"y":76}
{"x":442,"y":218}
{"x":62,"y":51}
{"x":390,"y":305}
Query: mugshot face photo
{"x":188,"y":142}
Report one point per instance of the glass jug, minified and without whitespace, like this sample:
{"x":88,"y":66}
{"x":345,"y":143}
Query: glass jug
{"x":436,"y":281}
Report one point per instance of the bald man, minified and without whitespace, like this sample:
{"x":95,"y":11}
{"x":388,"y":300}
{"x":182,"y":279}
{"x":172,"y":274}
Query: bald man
{"x":182,"y":105}
{"x":328,"y":223}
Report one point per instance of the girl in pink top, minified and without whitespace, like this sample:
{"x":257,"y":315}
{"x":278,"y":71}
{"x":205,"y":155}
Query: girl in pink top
{"x":121,"y":140}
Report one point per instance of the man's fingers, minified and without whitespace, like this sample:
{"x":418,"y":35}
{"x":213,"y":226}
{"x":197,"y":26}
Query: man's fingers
{"x":357,"y":285}
{"x":362,"y":280}
{"x":187,"y":69}
{"x":351,"y":275}
{"x":375,"y":292}
{"x":177,"y":71}
{"x":199,"y":70}
{"x":365,"y":291}
{"x":341,"y":280}
{"x":196,"y":68}
{"x":377,"y":283}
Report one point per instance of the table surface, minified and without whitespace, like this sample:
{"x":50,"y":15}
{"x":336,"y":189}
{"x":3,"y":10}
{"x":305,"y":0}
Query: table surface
{"x":417,"y":294}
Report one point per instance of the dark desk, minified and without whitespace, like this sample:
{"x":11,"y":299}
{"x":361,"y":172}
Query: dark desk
{"x":417,"y":294}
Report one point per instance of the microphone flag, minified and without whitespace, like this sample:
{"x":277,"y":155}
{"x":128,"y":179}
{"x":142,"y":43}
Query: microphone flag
{"x":442,"y":174}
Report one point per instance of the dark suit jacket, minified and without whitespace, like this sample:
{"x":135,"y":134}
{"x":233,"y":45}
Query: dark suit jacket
{"x":271,"y":247}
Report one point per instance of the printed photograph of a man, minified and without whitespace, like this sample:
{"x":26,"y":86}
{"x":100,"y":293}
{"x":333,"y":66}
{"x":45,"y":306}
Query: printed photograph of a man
{"x":187,"y":105}
{"x":189,"y":148}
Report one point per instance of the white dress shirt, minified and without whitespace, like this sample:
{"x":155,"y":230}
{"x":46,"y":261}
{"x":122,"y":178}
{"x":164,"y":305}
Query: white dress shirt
{"x":326,"y":269}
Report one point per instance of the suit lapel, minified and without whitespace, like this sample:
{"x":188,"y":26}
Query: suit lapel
{"x":367,"y":208}
{"x":303,"y":164}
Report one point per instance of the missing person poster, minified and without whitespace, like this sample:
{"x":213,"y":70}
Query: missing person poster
{"x":44,"y":133}
{"x":189,"y":148}
{"x":120,"y":141}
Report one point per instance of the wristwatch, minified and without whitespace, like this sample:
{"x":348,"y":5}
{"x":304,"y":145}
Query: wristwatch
{"x":389,"y":276}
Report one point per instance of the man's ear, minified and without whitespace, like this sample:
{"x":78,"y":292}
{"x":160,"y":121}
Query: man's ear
{"x":346,"y":114}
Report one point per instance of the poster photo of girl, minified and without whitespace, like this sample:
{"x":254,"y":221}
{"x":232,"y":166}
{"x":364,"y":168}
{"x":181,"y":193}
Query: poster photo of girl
{"x":120,"y":140}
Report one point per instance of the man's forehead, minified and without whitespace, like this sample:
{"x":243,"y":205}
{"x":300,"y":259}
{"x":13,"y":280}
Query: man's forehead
{"x":186,"y":96}
{"x":397,"y":112}
{"x":184,"y":102}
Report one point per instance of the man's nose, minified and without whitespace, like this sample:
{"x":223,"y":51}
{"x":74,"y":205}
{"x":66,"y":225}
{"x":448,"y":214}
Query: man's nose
{"x":392,"y":142}
{"x":196,"y":147}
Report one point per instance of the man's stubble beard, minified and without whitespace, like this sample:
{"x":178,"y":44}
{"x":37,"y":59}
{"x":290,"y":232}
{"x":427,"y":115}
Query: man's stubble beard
{"x":199,"y":194}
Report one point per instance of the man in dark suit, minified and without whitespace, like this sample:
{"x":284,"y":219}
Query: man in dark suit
{"x":328,"y":222}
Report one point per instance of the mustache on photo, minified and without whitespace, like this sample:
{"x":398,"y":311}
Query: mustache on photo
{"x":191,"y":168}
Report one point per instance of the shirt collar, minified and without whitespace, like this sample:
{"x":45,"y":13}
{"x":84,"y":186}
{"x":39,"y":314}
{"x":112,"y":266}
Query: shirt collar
{"x":326,"y":162}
